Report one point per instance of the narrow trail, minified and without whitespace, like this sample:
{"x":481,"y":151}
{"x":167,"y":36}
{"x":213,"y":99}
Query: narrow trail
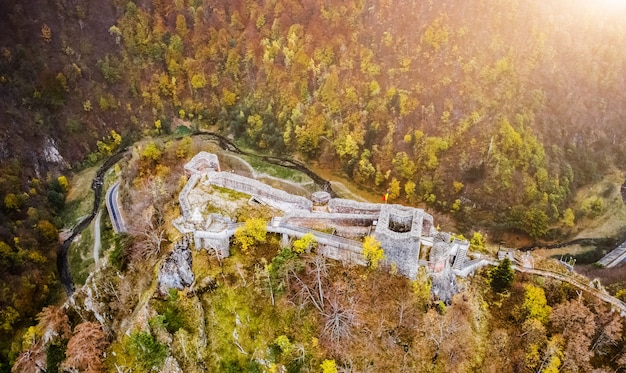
{"x":345,"y":192}
{"x":593,"y":291}
{"x":96,"y":237}
{"x":63,"y":266}
{"x":226,"y":144}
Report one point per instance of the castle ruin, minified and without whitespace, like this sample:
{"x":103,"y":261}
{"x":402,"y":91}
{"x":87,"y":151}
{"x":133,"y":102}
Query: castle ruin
{"x":407,"y":235}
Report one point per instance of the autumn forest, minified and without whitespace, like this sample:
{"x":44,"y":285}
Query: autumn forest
{"x":491,"y":114}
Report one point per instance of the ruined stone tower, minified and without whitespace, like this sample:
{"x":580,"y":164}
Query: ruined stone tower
{"x":399,"y":230}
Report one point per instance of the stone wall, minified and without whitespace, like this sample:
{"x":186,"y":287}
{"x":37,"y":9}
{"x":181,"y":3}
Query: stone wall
{"x":348,"y":206}
{"x":399,"y":231}
{"x":331,"y":246}
{"x":267,"y":194}
{"x":183,"y":198}
{"x":202,"y":163}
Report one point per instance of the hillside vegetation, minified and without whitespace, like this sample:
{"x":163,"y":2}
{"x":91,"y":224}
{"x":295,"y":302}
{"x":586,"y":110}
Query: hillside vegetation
{"x":276,"y":308}
{"x":495,"y":112}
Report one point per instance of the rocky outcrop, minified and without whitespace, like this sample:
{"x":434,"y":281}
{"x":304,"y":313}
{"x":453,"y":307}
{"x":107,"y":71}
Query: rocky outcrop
{"x":444,"y":286}
{"x":175,"y":272}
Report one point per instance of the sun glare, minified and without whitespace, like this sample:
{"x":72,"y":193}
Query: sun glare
{"x":611,"y":4}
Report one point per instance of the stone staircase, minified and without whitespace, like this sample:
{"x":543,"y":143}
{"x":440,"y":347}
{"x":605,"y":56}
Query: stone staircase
{"x":461,"y":254}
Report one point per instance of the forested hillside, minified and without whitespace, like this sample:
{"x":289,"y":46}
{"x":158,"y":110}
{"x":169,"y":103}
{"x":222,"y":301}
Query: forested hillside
{"x":495,"y":111}
{"x":492,"y":111}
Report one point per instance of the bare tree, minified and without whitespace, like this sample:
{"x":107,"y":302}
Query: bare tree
{"x":339,"y":319}
{"x":263,"y":275}
{"x":576,"y":323}
{"x":152,"y":234}
{"x":32,"y":360}
{"x":321,"y":273}
{"x":609,"y":331}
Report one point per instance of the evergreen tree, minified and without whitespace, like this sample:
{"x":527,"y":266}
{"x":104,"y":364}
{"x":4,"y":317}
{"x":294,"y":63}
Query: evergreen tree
{"x":501,"y":276}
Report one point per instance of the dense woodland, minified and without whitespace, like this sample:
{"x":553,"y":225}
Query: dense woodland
{"x":494,"y":112}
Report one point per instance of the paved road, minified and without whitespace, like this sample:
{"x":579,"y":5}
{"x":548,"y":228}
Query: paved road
{"x":614,"y":257}
{"x":114,"y":211}
{"x":96,"y":237}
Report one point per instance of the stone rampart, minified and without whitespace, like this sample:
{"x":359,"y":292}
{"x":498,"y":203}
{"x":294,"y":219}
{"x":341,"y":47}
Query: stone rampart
{"x":202,"y":163}
{"x":399,"y":231}
{"x":348,"y":206}
{"x":330,"y":246}
{"x":267,"y":194}
{"x":183,"y":198}
{"x":344,"y":225}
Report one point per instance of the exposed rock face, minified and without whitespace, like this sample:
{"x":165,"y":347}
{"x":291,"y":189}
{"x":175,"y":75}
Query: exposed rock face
{"x":444,"y":286}
{"x":176,"y":270}
{"x":171,"y":366}
{"x":51,"y":153}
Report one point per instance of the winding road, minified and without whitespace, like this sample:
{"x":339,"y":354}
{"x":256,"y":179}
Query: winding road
{"x":63,"y":267}
{"x":119,"y":226}
{"x":96,"y":237}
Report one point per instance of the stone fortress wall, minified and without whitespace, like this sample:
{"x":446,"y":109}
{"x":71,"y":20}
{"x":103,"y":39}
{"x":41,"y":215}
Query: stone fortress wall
{"x":183,"y":198}
{"x":402,"y":231}
{"x":263,"y":192}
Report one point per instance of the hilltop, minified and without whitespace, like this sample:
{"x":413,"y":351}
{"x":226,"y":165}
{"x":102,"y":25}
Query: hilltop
{"x":273,"y":305}
{"x":496,"y":117}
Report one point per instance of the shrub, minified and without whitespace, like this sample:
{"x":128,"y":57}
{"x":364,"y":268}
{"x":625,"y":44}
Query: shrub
{"x":147,"y":351}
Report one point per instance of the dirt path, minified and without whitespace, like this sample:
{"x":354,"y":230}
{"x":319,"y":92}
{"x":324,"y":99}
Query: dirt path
{"x":63,"y":266}
{"x":621,"y":306}
{"x":343,"y":190}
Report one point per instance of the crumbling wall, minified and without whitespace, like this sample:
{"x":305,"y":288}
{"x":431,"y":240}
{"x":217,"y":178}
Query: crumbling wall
{"x":183,"y":198}
{"x":399,"y":231}
{"x":339,"y":248}
{"x":202,"y":163}
{"x":271,"y":196}
{"x":348,"y":206}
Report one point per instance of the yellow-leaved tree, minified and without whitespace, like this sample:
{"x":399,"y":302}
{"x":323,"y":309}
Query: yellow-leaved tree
{"x":372,"y":251}
{"x":329,"y":366}
{"x":304,"y":244}
{"x":253,"y":231}
{"x":535,"y":305}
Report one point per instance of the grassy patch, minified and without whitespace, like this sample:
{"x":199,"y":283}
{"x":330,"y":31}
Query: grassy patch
{"x":107,"y":235}
{"x":80,"y":256}
{"x":79,"y":200}
{"x":606,"y":220}
{"x":277,"y":171}
{"x":589,"y":256}
{"x":232,"y":194}
{"x":76,"y":210}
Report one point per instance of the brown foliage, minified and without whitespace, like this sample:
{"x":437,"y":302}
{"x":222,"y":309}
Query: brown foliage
{"x":31,"y":360}
{"x":86,"y":347}
{"x":576,"y":323}
{"x":53,"y":323}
